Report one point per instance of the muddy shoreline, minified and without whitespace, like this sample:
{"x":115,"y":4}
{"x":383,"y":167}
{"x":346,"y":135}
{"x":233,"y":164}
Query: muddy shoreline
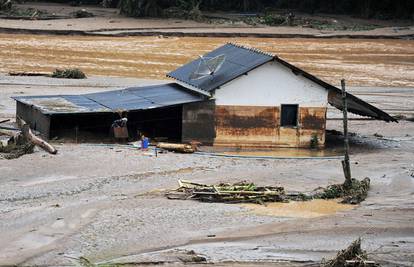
{"x":175,"y":32}
{"x":108,"y":22}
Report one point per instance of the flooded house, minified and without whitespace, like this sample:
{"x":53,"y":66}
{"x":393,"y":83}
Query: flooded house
{"x":232,"y":96}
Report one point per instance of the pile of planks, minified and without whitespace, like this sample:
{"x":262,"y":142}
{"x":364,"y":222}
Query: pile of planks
{"x":242,"y":192}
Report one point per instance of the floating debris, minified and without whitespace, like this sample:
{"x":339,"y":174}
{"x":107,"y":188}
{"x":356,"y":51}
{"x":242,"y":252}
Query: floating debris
{"x":182,"y":148}
{"x":82,"y":13}
{"x":248,"y":192}
{"x":25,"y":73}
{"x":242,"y":192}
{"x":351,"y":256}
{"x":355,"y":193}
{"x":15,"y":151}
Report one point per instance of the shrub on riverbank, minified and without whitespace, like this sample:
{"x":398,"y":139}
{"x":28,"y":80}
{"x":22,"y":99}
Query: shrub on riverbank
{"x":69,"y":74}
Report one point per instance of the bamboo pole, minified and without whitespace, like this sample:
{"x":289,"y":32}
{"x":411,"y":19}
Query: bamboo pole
{"x":345,"y":163}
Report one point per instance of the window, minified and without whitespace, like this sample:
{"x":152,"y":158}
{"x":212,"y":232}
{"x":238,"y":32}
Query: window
{"x":289,"y":115}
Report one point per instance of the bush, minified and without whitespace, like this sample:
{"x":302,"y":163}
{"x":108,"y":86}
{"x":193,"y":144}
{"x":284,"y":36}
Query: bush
{"x":273,"y":20}
{"x":314,"y":142}
{"x":69,"y":74}
{"x":140,"y":8}
{"x":6,"y":5}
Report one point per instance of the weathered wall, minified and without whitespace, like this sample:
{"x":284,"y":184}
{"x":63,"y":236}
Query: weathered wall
{"x":271,"y":85}
{"x":252,"y":126}
{"x":36,"y":119}
{"x":198,"y":122}
{"x":247,"y":111}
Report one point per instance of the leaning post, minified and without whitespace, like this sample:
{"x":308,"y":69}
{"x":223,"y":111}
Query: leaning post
{"x":345,"y":163}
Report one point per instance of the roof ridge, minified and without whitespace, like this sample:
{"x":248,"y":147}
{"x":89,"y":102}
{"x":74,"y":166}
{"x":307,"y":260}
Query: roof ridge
{"x":187,"y":83}
{"x":258,"y":51}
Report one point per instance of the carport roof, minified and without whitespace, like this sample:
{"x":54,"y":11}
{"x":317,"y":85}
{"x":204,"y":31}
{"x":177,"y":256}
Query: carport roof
{"x":133,"y":98}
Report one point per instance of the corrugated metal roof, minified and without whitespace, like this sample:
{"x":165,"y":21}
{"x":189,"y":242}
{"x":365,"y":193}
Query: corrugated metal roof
{"x":239,"y":60}
{"x":62,"y":104}
{"x":134,"y":98}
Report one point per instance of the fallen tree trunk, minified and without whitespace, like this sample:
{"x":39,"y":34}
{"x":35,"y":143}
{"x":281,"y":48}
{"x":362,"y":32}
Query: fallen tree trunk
{"x":28,"y":134}
{"x":182,"y":148}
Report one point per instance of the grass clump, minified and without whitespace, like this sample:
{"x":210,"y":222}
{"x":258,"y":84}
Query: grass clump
{"x":69,"y":74}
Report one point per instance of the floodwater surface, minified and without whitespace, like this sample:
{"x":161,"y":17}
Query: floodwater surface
{"x":287,"y":152}
{"x":361,"y":62}
{"x":299,"y":209}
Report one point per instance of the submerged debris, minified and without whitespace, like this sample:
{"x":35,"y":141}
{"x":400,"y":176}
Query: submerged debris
{"x":247,"y":192}
{"x":69,"y":74}
{"x":192,"y":257}
{"x":242,"y":192}
{"x":82,"y":13}
{"x":26,"y":73}
{"x":14,"y":151}
{"x":355,"y":193}
{"x":351,"y":256}
{"x":182,"y":148}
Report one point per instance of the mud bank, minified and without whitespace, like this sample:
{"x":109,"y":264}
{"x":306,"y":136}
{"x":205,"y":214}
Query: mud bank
{"x":215,"y":32}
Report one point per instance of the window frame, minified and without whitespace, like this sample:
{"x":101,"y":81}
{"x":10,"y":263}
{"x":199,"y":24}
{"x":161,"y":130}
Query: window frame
{"x":297,"y":116}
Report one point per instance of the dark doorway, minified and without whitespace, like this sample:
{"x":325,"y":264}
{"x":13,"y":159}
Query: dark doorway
{"x":289,"y":115}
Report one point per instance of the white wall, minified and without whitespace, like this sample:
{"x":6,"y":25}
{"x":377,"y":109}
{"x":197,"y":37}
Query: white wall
{"x":271,"y":85}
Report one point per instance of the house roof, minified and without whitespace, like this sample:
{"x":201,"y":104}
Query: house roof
{"x":133,"y":98}
{"x":239,"y":60}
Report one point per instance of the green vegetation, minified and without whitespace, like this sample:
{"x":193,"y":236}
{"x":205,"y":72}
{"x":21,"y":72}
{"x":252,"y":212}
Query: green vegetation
{"x":314,"y":142}
{"x":69,"y":74}
{"x":381,"y":9}
{"x":6,"y":5}
{"x":355,"y":193}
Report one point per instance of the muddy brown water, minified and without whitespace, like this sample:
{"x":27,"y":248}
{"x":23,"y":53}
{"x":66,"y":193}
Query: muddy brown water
{"x":286,"y":152}
{"x":302,"y":209}
{"x":361,"y":62}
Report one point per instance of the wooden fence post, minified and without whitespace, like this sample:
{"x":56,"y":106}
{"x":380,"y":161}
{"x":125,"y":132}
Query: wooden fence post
{"x":345,"y":163}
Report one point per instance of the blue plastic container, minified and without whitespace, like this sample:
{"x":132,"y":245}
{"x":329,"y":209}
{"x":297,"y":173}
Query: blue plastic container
{"x":145,"y":143}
